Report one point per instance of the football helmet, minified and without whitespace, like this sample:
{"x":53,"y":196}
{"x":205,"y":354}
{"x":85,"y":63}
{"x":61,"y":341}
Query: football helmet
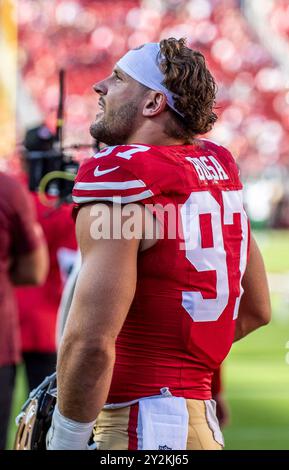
{"x":36,"y":414}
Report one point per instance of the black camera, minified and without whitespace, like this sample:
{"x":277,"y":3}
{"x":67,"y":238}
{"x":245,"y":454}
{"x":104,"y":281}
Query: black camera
{"x":43,"y":157}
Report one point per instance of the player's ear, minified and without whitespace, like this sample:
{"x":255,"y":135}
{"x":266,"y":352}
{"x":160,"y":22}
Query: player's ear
{"x":154,"y":103}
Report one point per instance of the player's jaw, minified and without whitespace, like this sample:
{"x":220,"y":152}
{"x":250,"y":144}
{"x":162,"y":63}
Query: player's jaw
{"x":113,"y":125}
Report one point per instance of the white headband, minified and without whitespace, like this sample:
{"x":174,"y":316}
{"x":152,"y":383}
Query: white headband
{"x":142,"y":64}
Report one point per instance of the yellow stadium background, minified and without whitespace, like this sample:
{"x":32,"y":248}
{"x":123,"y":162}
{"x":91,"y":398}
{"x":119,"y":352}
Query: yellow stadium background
{"x":8,"y":76}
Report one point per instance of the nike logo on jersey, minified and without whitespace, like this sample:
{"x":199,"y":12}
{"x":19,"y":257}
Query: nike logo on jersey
{"x":98,"y":172}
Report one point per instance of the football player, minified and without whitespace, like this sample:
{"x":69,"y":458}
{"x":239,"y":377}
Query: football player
{"x":156,"y":308}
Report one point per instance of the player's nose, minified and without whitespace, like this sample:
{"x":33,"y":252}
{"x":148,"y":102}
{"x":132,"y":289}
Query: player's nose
{"x":100,"y":88}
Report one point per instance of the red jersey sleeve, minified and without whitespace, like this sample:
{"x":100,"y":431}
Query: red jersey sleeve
{"x":114,"y":174}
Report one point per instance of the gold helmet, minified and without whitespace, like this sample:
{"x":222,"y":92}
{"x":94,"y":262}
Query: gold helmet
{"x":35,"y":418}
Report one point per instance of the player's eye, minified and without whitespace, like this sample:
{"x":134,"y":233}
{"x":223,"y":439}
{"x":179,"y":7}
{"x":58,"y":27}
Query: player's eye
{"x":117,"y":76}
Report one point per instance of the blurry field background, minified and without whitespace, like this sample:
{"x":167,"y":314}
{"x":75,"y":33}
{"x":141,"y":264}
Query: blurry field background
{"x":256,"y":373}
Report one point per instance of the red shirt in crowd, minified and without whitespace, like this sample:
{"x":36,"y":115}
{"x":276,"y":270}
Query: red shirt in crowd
{"x":17,"y":237}
{"x":38,"y":305}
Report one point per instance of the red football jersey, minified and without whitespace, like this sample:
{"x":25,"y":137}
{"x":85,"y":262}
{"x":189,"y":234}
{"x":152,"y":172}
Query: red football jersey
{"x":180,"y":326}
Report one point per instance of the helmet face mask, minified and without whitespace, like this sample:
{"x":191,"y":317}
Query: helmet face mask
{"x":35,"y":418}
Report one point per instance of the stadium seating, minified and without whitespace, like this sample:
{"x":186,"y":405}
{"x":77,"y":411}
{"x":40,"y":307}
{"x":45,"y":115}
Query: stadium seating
{"x":86,"y":37}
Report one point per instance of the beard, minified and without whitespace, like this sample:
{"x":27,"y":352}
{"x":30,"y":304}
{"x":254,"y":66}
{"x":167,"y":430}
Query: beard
{"x":116,"y":127}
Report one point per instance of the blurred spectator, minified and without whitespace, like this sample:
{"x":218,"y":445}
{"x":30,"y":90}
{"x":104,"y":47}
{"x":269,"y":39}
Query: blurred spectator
{"x":266,"y":198}
{"x":23,"y":260}
{"x":281,"y":214}
{"x":38,"y":305}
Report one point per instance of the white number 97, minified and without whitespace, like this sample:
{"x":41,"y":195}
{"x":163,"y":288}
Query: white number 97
{"x":214,"y":258}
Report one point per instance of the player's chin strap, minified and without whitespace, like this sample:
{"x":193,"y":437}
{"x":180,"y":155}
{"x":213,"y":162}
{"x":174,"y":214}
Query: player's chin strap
{"x":67,"y":434}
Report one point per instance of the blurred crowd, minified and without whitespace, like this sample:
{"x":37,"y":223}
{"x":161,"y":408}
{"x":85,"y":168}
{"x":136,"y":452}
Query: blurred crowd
{"x":278,"y":16}
{"x":86,"y":38}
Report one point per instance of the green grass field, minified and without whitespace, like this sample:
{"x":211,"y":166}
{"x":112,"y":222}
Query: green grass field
{"x":257,"y":387}
{"x":256,"y":374}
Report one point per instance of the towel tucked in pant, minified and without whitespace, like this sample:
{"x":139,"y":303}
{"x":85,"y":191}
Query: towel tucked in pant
{"x":123,"y":428}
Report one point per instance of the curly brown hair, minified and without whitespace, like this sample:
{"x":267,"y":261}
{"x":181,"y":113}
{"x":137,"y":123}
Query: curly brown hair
{"x":193,"y":86}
